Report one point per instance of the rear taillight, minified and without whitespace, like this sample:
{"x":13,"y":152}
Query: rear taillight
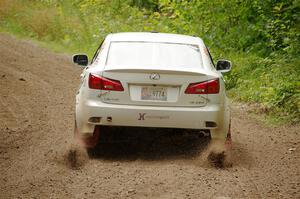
{"x":101,"y":83}
{"x":208,"y":87}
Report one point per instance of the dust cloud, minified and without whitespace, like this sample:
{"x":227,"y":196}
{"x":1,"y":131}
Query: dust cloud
{"x":75,"y":157}
{"x":217,"y":155}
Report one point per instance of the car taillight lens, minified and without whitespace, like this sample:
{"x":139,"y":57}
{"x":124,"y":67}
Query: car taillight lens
{"x":208,"y":87}
{"x":101,"y":83}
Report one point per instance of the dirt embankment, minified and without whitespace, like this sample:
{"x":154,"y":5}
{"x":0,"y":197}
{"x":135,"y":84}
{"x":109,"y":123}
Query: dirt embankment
{"x":39,"y":160}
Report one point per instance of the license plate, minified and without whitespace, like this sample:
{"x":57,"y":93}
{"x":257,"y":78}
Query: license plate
{"x":154,"y":93}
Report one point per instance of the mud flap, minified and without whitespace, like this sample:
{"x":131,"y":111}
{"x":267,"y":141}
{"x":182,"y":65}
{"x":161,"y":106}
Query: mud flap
{"x":87,"y":141}
{"x":228,"y":141}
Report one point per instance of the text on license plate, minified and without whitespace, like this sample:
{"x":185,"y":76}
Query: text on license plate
{"x":154,"y":93}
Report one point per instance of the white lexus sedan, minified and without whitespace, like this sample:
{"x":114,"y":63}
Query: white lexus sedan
{"x":151,"y":80}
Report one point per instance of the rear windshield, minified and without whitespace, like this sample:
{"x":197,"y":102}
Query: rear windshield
{"x":153,"y":55}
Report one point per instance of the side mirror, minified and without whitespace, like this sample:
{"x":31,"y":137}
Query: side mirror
{"x":223,"y":65}
{"x":81,"y":59}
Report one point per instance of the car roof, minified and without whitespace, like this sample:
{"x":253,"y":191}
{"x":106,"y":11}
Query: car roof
{"x":154,"y":37}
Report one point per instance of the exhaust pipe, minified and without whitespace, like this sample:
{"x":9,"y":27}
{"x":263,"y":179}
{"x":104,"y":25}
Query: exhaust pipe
{"x":204,"y":133}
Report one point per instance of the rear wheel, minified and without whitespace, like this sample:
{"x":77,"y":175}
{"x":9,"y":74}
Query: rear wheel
{"x":87,"y":141}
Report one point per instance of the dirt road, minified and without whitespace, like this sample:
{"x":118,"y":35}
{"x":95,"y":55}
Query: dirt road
{"x":39,"y":160}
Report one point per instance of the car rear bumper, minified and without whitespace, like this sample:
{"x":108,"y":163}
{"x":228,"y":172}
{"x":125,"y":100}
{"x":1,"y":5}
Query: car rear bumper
{"x":153,"y":116}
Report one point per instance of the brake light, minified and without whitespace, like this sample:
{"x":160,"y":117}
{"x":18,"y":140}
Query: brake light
{"x":101,"y":83}
{"x":207,"y":87}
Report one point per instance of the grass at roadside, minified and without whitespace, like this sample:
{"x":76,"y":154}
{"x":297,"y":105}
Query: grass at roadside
{"x":261,"y":75}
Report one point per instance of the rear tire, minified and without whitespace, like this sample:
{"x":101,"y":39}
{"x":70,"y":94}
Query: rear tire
{"x":94,"y":140}
{"x":88,"y":142}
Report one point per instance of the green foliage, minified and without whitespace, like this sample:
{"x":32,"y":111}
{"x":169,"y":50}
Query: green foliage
{"x":272,"y":82}
{"x":260,"y":37}
{"x":152,"y":5}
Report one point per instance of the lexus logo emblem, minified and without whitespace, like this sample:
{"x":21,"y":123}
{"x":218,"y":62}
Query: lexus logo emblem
{"x":154,"y":76}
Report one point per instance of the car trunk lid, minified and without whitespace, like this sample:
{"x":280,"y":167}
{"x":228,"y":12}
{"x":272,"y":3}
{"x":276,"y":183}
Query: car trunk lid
{"x":154,"y":87}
